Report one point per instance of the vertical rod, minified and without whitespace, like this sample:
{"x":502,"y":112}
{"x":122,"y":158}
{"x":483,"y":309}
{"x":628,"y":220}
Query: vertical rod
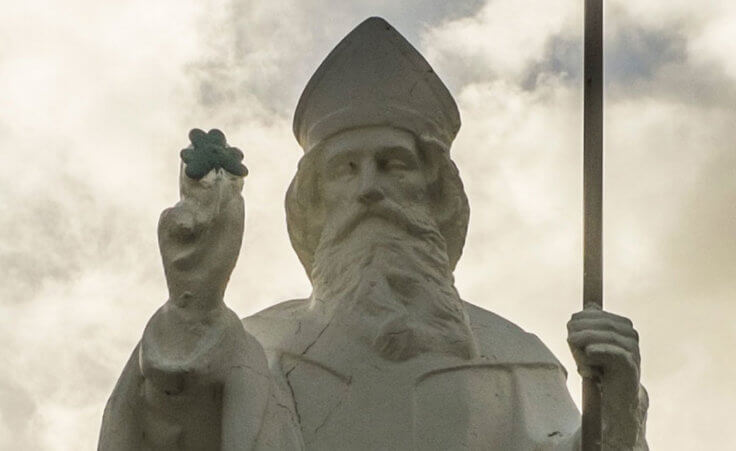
{"x":592,"y":203}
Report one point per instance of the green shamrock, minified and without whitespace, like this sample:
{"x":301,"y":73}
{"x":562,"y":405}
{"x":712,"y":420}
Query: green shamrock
{"x":210,"y":151}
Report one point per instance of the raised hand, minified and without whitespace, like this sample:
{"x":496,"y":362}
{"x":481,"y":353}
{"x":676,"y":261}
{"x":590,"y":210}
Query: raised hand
{"x":200,"y":236}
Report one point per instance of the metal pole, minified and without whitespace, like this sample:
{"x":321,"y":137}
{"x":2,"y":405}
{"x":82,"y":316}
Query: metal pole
{"x":592,"y":204}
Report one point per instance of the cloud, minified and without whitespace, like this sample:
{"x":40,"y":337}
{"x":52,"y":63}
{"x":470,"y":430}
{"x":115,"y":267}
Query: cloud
{"x":84,"y":139}
{"x":260,"y":54}
{"x":502,"y":40}
{"x":100,"y":97}
{"x":16,"y":407}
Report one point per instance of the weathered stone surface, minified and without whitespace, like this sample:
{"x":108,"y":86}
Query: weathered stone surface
{"x":384,"y":354}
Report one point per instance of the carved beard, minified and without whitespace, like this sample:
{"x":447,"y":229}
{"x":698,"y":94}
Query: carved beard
{"x":384,"y":270}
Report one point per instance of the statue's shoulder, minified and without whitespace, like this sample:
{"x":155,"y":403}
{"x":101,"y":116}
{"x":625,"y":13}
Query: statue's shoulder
{"x":274,"y":324}
{"x":502,"y":341}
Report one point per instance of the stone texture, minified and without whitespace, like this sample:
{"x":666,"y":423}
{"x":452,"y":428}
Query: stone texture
{"x":384,"y":353}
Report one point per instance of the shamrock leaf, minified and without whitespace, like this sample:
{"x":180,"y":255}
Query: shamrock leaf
{"x":210,"y":151}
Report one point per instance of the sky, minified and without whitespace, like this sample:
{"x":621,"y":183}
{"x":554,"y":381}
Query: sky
{"x":98,"y":97}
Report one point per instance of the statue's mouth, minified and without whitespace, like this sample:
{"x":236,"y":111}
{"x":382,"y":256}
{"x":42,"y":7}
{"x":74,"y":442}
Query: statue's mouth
{"x":383,"y":213}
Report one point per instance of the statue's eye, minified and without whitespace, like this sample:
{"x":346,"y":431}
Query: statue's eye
{"x":395,"y":164}
{"x":344,"y":168}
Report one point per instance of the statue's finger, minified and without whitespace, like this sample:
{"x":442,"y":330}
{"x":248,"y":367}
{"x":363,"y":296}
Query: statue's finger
{"x":618,"y":318}
{"x":595,"y":314}
{"x":585,"y":368}
{"x":612,"y":360}
{"x":234,"y":181}
{"x":586,"y":338}
{"x":604,"y":324}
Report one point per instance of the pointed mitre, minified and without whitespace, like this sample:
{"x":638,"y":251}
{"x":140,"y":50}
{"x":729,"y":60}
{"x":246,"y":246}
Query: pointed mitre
{"x":375,"y":77}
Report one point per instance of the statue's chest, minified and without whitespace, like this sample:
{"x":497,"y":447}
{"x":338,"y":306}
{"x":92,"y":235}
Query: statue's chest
{"x":422,"y":404}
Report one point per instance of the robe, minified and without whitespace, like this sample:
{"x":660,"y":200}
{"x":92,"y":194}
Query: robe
{"x":511,"y":397}
{"x":323,"y":390}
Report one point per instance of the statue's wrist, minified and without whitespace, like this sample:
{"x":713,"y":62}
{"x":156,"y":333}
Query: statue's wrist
{"x":196,"y":301}
{"x":624,"y":421}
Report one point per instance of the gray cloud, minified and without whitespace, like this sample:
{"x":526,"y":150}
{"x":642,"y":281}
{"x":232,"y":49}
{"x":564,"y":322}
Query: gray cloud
{"x":643,"y":59}
{"x":636,"y":52}
{"x":562,"y":57}
{"x":16,"y":407}
{"x":88,"y":167}
{"x":633,"y":53}
{"x":259,"y":56}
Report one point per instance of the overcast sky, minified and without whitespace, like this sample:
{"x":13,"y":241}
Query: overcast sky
{"x":97,"y":99}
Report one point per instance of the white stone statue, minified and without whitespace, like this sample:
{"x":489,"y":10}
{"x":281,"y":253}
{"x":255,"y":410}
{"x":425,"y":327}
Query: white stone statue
{"x":384,"y":354}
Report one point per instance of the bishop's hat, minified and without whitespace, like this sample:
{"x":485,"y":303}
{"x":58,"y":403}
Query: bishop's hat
{"x":375,"y":77}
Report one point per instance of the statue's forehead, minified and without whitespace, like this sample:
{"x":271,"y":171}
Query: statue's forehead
{"x":369,"y":138}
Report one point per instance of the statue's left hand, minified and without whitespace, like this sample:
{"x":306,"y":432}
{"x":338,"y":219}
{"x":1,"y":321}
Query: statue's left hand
{"x":606,"y":346}
{"x":605,"y":343}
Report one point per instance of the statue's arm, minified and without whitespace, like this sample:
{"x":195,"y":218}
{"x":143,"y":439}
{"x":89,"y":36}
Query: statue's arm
{"x":159,"y":405}
{"x":120,"y":425}
{"x":198,"y":379}
{"x":548,"y":417}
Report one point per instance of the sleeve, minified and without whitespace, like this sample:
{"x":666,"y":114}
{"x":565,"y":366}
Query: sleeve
{"x":220,"y":397}
{"x":548,"y":417}
{"x":120,"y":426}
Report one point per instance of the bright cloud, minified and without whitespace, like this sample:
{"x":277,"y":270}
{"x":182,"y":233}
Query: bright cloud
{"x":98,"y":98}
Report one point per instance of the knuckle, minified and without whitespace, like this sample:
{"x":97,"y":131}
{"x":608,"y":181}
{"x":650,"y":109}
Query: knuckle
{"x":580,"y":315}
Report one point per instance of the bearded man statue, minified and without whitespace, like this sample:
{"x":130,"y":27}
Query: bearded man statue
{"x":384,"y":354}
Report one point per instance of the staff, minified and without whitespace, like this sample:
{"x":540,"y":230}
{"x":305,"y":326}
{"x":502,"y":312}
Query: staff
{"x":592,"y":203}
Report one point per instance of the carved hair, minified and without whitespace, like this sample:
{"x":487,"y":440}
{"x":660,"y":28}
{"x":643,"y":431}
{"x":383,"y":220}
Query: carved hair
{"x":449,"y":204}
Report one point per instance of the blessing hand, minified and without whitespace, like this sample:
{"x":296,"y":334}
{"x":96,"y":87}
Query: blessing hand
{"x":200,"y":236}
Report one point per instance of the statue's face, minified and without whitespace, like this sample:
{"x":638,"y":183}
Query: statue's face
{"x":366,"y":166}
{"x":376,"y":179}
{"x":381,"y":253}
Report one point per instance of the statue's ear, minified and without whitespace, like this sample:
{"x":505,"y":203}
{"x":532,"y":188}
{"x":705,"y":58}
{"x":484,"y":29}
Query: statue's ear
{"x":448,"y":200}
{"x":304,"y":210}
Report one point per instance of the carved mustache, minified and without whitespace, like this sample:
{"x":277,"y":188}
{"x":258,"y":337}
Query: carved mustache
{"x":413,"y":222}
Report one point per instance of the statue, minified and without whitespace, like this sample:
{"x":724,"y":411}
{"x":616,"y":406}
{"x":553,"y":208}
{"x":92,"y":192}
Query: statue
{"x":384,"y":354}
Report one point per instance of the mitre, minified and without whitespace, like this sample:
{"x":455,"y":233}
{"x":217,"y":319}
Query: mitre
{"x":375,"y":77}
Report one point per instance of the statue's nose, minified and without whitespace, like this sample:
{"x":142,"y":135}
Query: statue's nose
{"x":370,"y":196}
{"x":370,"y":192}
